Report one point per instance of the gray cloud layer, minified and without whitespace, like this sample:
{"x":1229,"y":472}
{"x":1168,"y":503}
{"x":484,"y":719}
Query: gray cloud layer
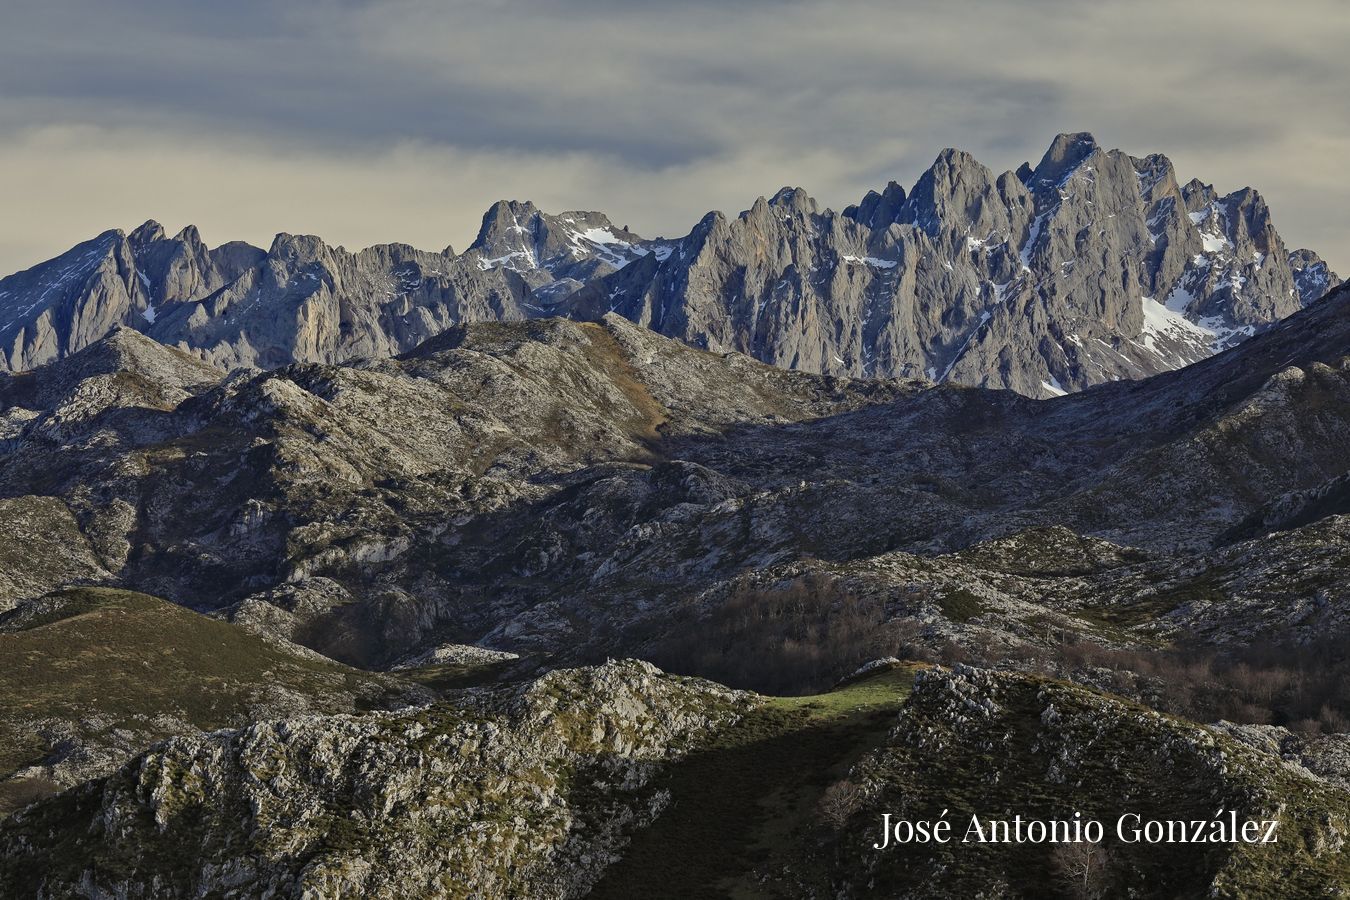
{"x":403,"y":119}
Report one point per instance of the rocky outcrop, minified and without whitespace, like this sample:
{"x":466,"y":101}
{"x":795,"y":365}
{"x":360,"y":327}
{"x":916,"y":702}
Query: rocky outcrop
{"x":555,"y":255}
{"x":527,"y":792}
{"x":1313,"y":278}
{"x":62,"y":306}
{"x":41,"y":549}
{"x":975,"y":748}
{"x":456,"y":655}
{"x":1091,"y":267}
{"x":1324,"y":756}
{"x":95,"y":675}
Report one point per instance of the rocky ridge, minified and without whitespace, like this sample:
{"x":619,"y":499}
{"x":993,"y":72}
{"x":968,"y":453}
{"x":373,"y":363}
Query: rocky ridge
{"x":992,"y":735}
{"x":539,"y":789}
{"x":518,"y":792}
{"x":1090,"y":267}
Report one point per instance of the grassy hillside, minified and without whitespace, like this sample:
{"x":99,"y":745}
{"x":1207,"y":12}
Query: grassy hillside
{"x":747,"y":804}
{"x":95,"y":672}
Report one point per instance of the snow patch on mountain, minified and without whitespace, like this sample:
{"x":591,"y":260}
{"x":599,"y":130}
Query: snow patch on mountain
{"x":871,"y":261}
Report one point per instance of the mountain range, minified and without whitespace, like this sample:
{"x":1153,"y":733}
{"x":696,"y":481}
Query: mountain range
{"x":1090,"y":267}
{"x":579,"y":564}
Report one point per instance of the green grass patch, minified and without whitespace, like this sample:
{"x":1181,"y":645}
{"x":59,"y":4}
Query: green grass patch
{"x":449,"y":677}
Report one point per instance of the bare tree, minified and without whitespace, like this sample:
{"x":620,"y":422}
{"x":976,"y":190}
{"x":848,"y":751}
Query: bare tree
{"x":840,"y":801}
{"x":1082,"y":869}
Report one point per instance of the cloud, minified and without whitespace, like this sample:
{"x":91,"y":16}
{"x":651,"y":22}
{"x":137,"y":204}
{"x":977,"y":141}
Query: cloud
{"x":416,"y":193}
{"x":403,"y":119}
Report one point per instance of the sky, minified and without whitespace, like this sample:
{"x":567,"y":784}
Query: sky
{"x":403,"y":120}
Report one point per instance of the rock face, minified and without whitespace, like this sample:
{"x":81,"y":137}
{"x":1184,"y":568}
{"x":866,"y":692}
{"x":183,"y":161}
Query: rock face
{"x":555,"y":255}
{"x":1324,"y":756}
{"x":1091,"y":267}
{"x":300,"y":300}
{"x":521,"y":793}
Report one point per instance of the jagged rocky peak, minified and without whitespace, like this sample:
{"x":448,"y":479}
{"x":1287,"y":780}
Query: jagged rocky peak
{"x":1065,"y":154}
{"x":298,"y":251}
{"x":56,"y":308}
{"x":510,"y":227}
{"x":502,"y":216}
{"x":1198,"y":195}
{"x":1313,"y":278}
{"x":789,"y":206}
{"x":878,"y":209}
{"x":191,"y":237}
{"x":239,"y":305}
{"x":147,"y":234}
{"x":794,"y":200}
{"x":573,"y":245}
{"x":1246,"y":209}
{"x":1129,"y":272}
{"x":959,"y":200}
{"x":1157,"y":179}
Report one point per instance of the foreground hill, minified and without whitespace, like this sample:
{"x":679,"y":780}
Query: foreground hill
{"x":523,"y":792}
{"x":998,"y":745}
{"x":663,"y":787}
{"x":1090,"y":267}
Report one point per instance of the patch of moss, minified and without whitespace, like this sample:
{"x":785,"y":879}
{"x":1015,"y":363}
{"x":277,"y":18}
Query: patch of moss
{"x":960,"y":605}
{"x":1127,"y":615}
